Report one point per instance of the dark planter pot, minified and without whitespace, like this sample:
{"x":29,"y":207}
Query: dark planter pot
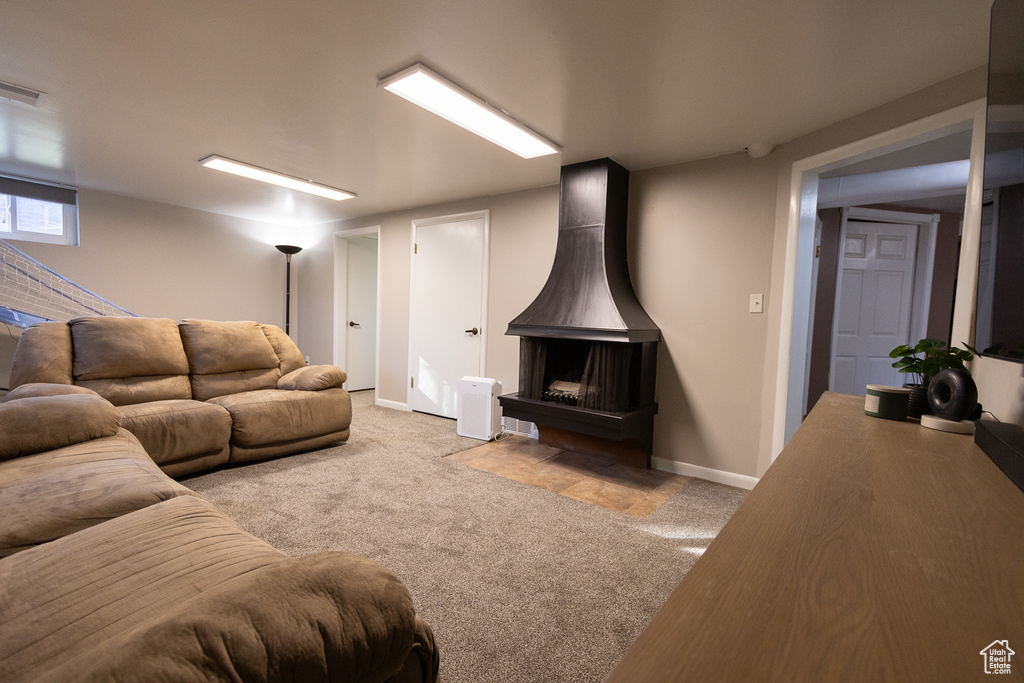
{"x":918,"y":404}
{"x":952,"y":394}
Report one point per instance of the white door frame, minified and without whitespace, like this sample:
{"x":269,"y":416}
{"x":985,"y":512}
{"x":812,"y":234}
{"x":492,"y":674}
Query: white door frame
{"x":794,"y":324}
{"x":341,"y":299}
{"x":485,"y":215}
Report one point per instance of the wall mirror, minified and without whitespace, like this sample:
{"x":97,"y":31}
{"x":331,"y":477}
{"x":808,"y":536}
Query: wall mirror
{"x":999,"y":322}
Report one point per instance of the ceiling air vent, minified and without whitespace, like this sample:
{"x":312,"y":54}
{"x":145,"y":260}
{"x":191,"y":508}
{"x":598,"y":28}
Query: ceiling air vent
{"x":19,"y":93}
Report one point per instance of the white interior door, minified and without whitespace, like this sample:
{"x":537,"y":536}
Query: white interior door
{"x":361,"y":308}
{"x":874,"y":297}
{"x":447,"y":311}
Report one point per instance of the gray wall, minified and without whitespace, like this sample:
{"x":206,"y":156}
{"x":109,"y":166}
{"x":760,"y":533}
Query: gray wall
{"x":159,"y":260}
{"x":702,"y":233}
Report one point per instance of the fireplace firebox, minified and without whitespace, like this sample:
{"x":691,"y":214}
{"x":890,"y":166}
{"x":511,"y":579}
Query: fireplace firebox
{"x":588,"y":350}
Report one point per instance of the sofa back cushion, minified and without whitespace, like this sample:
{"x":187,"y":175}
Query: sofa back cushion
{"x":115,"y":348}
{"x":291,"y":358}
{"x":228,"y":357}
{"x":43,"y":355}
{"x":130,"y":360}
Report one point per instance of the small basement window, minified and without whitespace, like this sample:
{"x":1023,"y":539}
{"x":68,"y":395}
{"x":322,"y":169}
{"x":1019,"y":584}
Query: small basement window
{"x":38,"y":212}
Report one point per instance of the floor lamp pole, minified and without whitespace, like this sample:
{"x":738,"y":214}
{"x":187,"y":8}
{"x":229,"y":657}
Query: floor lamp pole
{"x":288,"y":250}
{"x":287,"y":293}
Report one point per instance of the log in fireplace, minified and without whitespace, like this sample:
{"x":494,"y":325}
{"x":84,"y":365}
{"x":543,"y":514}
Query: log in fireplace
{"x":588,"y":350}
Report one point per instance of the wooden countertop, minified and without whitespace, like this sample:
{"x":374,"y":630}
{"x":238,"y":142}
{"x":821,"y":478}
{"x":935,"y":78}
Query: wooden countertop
{"x":871,"y":550}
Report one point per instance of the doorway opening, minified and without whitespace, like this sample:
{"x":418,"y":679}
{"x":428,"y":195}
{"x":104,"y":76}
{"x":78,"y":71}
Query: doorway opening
{"x":848,"y":178}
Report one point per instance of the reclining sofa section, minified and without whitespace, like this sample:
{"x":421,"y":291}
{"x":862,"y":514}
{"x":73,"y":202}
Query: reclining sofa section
{"x":196,"y":394}
{"x":112,"y":571}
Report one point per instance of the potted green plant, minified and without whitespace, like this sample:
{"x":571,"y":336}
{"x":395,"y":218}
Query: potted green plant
{"x":924,"y":360}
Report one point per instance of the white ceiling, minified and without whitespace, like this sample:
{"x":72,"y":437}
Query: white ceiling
{"x":138,"y":91}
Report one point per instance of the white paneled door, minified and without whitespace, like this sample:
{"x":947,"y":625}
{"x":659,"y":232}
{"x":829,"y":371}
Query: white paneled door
{"x":874,"y":297}
{"x":447,"y":311}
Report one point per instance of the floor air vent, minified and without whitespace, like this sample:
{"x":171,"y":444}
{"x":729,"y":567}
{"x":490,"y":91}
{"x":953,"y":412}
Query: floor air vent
{"x":513,"y":425}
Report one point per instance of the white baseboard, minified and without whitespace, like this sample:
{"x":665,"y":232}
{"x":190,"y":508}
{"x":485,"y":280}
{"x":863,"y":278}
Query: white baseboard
{"x":718,"y":476}
{"x":394,"y":405}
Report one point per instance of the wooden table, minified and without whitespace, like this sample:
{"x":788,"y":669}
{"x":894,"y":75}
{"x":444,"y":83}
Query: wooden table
{"x":871,"y":550}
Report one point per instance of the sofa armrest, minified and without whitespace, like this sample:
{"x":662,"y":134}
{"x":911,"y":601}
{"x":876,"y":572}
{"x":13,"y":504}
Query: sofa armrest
{"x":313,"y":378}
{"x":42,"y":423}
{"x":33,"y":389}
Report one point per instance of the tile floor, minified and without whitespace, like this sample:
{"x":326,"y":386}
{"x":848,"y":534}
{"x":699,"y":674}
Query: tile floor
{"x":591,"y":479}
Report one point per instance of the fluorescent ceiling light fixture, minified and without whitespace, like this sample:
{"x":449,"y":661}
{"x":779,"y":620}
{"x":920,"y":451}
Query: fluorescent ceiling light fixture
{"x":264,"y":176}
{"x":421,"y":86}
{"x":19,"y":93}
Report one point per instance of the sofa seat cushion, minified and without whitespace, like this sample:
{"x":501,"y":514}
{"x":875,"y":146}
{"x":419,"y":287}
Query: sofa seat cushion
{"x":179,"y":592}
{"x":41,"y":423}
{"x":52,"y":494}
{"x":273,"y":416}
{"x":176,"y":430}
{"x":205,"y":387}
{"x":122,"y":391}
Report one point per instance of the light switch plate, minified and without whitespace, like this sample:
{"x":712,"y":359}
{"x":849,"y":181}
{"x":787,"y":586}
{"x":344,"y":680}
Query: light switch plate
{"x":757,"y":303}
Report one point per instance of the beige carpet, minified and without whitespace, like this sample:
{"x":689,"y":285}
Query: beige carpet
{"x":519,"y":584}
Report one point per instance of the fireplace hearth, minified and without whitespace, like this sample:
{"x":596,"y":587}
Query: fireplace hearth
{"x":588,"y":350}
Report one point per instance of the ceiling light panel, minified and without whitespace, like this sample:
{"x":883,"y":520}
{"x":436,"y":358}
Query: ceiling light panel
{"x":19,"y":93}
{"x":263,"y":175}
{"x":421,"y":86}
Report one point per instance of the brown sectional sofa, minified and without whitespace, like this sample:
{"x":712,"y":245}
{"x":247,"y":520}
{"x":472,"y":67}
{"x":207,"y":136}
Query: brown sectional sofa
{"x":111,"y":570}
{"x":197,"y":394}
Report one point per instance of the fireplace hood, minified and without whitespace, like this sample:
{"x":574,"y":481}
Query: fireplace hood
{"x":588,"y":294}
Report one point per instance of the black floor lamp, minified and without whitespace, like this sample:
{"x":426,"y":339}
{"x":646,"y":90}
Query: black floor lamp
{"x":287,"y":250}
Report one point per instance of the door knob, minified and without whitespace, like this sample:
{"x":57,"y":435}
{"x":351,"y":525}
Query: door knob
{"x":473,"y":331}
{"x":352,"y":324}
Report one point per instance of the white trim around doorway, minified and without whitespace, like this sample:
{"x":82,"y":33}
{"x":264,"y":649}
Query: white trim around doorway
{"x":800,"y":222}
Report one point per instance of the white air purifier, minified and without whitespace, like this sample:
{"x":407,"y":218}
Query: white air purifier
{"x":478,"y":414}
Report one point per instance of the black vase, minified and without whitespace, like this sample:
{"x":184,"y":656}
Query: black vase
{"x":918,"y":403}
{"x":952,"y":394}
